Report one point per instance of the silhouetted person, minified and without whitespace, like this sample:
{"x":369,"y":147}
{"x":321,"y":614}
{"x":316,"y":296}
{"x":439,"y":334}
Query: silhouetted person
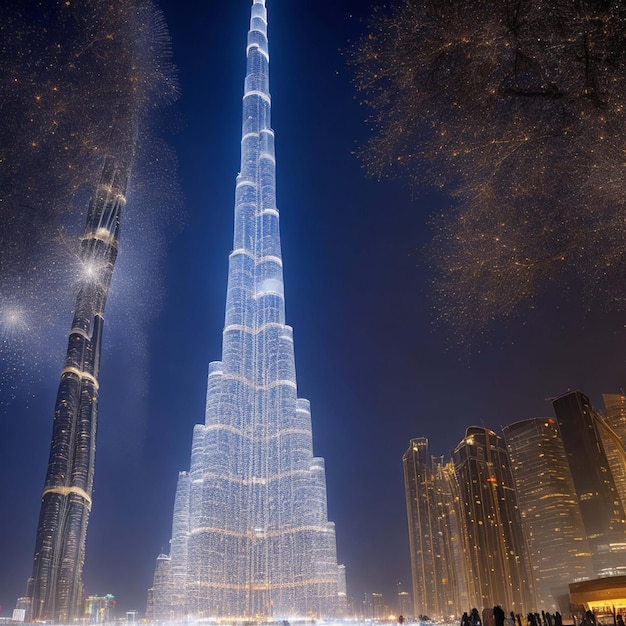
{"x":589,"y":619}
{"x":519,"y":620}
{"x":558,"y":620}
{"x":475,"y":618}
{"x":465,"y":620}
{"x":620,"y":620}
{"x":498,"y":615}
{"x":532,"y":620}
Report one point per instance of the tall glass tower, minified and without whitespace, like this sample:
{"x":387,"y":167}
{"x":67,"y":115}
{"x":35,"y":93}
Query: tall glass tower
{"x":251,"y":536}
{"x":615,"y":411}
{"x":551,"y":519}
{"x":55,"y":588}
{"x":438,"y":566}
{"x":494,"y":544}
{"x":600,"y":505}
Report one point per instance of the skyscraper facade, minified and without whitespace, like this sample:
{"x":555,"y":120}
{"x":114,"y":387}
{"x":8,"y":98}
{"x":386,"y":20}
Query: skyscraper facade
{"x":55,"y":588}
{"x":615,"y":416}
{"x":456,"y":574}
{"x":437,"y":565}
{"x":559,"y":552}
{"x":600,"y":506}
{"x":494,"y":544}
{"x":423,"y":531}
{"x":161,"y":605}
{"x":250,"y":534}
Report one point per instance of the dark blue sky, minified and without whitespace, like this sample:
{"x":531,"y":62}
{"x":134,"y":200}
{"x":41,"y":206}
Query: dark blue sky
{"x":376,"y":368}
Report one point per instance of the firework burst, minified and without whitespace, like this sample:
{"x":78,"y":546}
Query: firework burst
{"x":79,"y":81}
{"x":517,"y":109}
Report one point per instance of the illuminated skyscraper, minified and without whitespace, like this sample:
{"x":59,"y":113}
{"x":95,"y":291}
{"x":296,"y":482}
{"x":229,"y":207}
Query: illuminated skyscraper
{"x":456,"y":573}
{"x":615,"y":407}
{"x":437,"y":564}
{"x":423,"y":531}
{"x":55,"y":587}
{"x":559,"y":552}
{"x":161,"y":604}
{"x":251,"y":536}
{"x":601,"y":509}
{"x":404,"y":604}
{"x":494,"y":544}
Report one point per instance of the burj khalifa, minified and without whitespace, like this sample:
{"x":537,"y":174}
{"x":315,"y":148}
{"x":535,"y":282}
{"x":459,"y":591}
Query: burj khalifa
{"x":250,"y":534}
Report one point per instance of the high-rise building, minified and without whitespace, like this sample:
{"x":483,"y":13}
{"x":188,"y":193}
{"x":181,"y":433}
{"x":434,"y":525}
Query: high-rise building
{"x":615,"y":409}
{"x":600,"y":506}
{"x":404,"y":604}
{"x":251,"y":536}
{"x":55,"y":588}
{"x":161,"y":605}
{"x":456,"y":573}
{"x":380,"y":611}
{"x":494,"y":545}
{"x":100,"y":609}
{"x":559,"y":552}
{"x":437,"y":566}
{"x":422,"y":531}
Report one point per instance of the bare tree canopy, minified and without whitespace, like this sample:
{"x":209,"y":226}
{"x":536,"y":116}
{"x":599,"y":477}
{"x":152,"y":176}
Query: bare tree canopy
{"x":517,"y":108}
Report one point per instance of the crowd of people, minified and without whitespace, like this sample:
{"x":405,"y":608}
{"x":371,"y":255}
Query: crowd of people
{"x":497,"y":617}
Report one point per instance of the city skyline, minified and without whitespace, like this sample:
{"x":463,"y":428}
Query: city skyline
{"x":532,"y":512}
{"x":357,"y":284}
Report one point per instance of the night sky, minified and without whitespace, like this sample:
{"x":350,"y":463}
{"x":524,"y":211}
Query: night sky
{"x":370,"y":356}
